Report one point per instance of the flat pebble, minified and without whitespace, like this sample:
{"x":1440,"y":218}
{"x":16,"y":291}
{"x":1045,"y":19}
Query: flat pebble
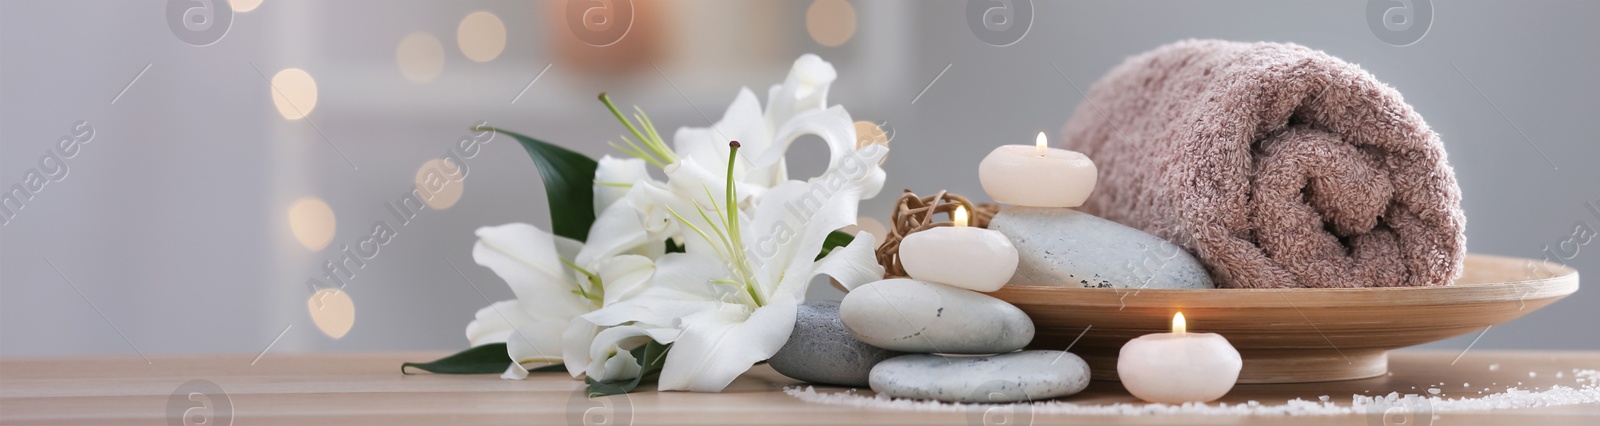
{"x":1065,"y":247}
{"x":912,"y":316}
{"x":1011,"y":377}
{"x":821,"y":351}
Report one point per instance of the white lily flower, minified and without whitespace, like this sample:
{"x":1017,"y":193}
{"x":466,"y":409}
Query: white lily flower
{"x":796,"y":108}
{"x":732,"y":300}
{"x":550,"y":292}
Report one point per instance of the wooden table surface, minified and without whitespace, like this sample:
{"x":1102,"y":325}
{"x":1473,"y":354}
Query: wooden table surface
{"x":351,"y":389}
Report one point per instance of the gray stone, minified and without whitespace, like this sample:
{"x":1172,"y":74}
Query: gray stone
{"x":821,"y":351}
{"x":1012,"y":377}
{"x":912,"y":316}
{"x":1065,"y":247}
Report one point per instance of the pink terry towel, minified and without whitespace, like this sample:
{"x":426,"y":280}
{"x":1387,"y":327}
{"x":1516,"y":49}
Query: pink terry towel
{"x":1275,"y":164}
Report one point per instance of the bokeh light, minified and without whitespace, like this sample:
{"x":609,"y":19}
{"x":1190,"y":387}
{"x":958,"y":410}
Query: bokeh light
{"x":481,"y":36}
{"x":420,"y":57}
{"x":872,"y":226}
{"x":244,"y":5}
{"x":831,"y":22}
{"x":294,"y":92}
{"x":440,"y":182}
{"x":868,"y":133}
{"x":312,"y":222}
{"x":333,"y":311}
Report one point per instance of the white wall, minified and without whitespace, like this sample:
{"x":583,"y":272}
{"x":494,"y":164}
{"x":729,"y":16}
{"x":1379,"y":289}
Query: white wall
{"x":172,"y":222}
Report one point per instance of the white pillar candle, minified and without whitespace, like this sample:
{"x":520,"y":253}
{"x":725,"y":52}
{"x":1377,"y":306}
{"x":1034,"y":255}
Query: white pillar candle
{"x":961,"y":256}
{"x":1178,"y":367}
{"x":1037,"y":176}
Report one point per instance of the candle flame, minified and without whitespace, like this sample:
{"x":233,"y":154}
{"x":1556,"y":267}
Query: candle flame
{"x":1041,"y":142}
{"x":1179,"y":326}
{"x":959,"y":216}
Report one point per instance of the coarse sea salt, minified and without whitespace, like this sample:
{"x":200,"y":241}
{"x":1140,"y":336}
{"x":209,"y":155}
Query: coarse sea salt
{"x":1512,"y":398}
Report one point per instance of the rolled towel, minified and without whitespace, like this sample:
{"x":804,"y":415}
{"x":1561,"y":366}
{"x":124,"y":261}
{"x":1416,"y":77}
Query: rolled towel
{"x":1275,"y":164}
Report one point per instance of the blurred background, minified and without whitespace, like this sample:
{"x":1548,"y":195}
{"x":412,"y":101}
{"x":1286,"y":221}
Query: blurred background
{"x":226,"y":150}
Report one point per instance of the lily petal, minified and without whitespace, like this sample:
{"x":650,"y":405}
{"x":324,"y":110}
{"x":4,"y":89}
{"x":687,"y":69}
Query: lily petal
{"x":532,"y":343}
{"x":742,"y":122}
{"x":612,"y":178}
{"x":720,"y":344}
{"x":611,"y":345}
{"x":625,"y":276}
{"x":575,"y":343}
{"x":681,"y":287}
{"x":618,"y":230}
{"x":805,"y":88}
{"x":854,"y":264}
{"x":691,"y":178}
{"x":494,"y":322}
{"x":528,"y":259}
{"x":837,"y":130}
{"x":790,"y":227}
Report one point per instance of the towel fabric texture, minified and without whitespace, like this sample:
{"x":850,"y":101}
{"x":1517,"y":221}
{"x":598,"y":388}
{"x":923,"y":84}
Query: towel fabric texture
{"x":1276,"y":165}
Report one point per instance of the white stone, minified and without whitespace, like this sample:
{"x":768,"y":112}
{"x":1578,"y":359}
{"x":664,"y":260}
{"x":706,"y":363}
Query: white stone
{"x":1012,"y":377}
{"x":1065,"y":247}
{"x":913,"y":316}
{"x":972,"y":258}
{"x":821,"y":351}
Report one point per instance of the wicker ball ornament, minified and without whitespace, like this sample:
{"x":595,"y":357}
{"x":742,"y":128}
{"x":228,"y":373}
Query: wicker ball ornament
{"x":914,"y":214}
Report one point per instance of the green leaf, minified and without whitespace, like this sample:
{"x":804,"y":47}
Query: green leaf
{"x":568,"y":184}
{"x":483,"y":359}
{"x":652,"y":356}
{"x":834,"y":240}
{"x":548,"y":368}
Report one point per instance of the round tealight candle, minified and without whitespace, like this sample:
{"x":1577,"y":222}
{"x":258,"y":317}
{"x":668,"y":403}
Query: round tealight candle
{"x":1037,"y":176}
{"x":961,"y":256}
{"x":1178,"y":367}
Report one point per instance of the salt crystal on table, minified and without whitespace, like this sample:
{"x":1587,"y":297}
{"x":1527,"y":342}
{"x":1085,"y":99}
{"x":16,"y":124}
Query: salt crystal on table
{"x":1325,"y":398}
{"x":1494,"y":367}
{"x":1558,"y":374}
{"x":1533,"y":374}
{"x":1433,"y":391}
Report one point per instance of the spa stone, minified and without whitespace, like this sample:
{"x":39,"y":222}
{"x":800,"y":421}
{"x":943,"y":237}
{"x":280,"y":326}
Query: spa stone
{"x":821,"y":351}
{"x":912,"y":316}
{"x":1065,"y":247}
{"x":1013,"y":377}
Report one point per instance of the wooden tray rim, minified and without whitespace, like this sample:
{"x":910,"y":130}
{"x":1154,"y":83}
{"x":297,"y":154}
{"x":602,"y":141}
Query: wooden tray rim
{"x":1562,"y":282}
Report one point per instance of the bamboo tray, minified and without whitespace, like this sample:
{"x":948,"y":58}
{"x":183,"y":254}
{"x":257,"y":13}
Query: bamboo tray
{"x":1295,"y":335}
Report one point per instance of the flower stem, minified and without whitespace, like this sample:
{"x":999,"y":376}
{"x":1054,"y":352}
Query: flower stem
{"x":733,"y":225}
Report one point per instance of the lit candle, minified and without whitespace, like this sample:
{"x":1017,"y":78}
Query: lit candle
{"x":961,"y":256}
{"x":1037,"y":176}
{"x":1178,"y":367}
